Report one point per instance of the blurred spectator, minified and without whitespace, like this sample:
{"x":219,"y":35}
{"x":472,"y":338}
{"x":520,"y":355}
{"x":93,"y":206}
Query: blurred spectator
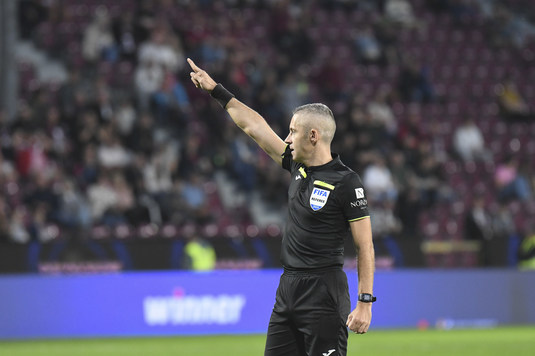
{"x":402,"y":174}
{"x":98,"y":41}
{"x":102,"y":197}
{"x":44,"y":195}
{"x":171,"y":101}
{"x":6,"y":168}
{"x":478,"y":227}
{"x":103,"y":105}
{"x":194,"y":197}
{"x":268,"y":98}
{"x":212,"y":51}
{"x":381,"y":112}
{"x":17,"y":226}
{"x":88,"y":169}
{"x":509,"y":182}
{"x":111,"y":153}
{"x":408,"y":207}
{"x":413,"y":83}
{"x":190,"y":156}
{"x":512,"y":104}
{"x":31,"y":13}
{"x":124,"y":35}
{"x":505,"y":28}
{"x":469,"y":143}
{"x":410,"y":134}
{"x":378,"y":180}
{"x":86,"y":131}
{"x":144,"y":20}
{"x":141,"y":138}
{"x":295,"y":43}
{"x":504,"y":229}
{"x":527,"y":251}
{"x":388,"y":36}
{"x":37,"y":224}
{"x":199,"y":255}
{"x":148,"y":79}
{"x":368,"y":47}
{"x":74,"y":210}
{"x":429,"y":178}
{"x":244,"y":158}
{"x":159,"y":170}
{"x":401,"y":12}
{"x":386,"y":229}
{"x":503,"y":224}
{"x":293,"y":92}
{"x":4,"y":219}
{"x":125,"y":117}
{"x":330,"y":78}
{"x":163,"y":49}
{"x":125,"y":196}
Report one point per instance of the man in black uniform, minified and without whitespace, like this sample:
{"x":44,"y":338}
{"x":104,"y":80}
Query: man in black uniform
{"x":312,"y":309}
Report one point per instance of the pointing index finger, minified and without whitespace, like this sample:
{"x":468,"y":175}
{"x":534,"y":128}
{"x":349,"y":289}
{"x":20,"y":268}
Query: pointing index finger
{"x":193,"y":66}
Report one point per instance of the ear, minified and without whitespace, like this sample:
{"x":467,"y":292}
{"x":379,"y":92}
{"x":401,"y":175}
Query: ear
{"x":314,"y":136}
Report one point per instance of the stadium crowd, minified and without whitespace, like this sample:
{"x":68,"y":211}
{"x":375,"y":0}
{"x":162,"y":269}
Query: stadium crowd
{"x":440,"y":138}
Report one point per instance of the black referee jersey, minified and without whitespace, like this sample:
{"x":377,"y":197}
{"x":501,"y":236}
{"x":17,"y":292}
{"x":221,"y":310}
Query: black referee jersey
{"x":322,"y":200}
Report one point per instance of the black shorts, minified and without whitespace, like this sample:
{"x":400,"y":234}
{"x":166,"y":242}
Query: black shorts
{"x":310,"y":314}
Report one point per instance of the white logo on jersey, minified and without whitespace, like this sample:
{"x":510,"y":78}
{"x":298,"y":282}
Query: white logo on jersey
{"x":297,"y":177}
{"x":359,"y":192}
{"x":329,"y":352}
{"x":318,"y":198}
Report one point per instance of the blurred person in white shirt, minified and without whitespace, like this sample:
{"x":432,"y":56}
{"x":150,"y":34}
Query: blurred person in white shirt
{"x":469,"y":142}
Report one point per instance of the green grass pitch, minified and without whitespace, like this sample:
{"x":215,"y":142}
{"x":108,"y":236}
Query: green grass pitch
{"x":517,"y":341}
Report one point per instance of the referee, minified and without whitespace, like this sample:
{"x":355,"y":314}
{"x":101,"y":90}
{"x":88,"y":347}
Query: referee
{"x":312,"y":308}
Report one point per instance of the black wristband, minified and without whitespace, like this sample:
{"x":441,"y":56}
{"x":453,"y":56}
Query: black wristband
{"x":222,"y":95}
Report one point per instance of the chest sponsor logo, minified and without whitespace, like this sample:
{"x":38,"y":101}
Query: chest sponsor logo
{"x":318,"y":198}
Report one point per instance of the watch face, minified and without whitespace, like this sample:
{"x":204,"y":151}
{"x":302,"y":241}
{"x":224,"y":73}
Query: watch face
{"x":366,"y":298}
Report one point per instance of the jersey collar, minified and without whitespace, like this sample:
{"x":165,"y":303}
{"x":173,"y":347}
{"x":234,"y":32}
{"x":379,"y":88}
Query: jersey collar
{"x":334,"y":162}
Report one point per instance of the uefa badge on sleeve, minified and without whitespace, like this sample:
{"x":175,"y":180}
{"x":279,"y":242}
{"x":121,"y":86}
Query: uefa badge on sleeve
{"x":318,"y":198}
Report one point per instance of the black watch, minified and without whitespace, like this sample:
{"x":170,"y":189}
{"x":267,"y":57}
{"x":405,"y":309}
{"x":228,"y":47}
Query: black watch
{"x":367,"y":298}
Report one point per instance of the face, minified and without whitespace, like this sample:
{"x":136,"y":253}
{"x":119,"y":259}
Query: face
{"x":297,"y":139}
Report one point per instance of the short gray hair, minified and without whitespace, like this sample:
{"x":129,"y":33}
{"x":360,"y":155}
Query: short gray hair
{"x":323,"y":119}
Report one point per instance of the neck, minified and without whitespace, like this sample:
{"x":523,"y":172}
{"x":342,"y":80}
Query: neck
{"x":319,"y":158}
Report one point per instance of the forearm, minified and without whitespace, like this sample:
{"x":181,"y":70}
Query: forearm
{"x":245,"y":118}
{"x":366,"y":267}
{"x":256,"y":127}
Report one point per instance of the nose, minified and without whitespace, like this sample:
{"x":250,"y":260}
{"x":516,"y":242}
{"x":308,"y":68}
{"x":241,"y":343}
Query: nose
{"x":288,"y":139}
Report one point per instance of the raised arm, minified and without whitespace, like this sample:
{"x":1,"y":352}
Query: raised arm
{"x":245,"y":118}
{"x":360,"y":318}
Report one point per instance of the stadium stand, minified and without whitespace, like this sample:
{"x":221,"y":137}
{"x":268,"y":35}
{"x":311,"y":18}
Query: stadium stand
{"x":111,"y":143}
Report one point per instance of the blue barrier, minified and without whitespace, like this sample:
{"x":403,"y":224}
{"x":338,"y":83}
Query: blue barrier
{"x":223,"y":302}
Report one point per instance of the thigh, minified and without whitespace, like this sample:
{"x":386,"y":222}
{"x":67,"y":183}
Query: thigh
{"x":322,"y":316}
{"x":327,"y":336}
{"x":283,"y":339}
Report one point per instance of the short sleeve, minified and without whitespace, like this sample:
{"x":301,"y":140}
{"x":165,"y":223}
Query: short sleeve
{"x":353,"y":199}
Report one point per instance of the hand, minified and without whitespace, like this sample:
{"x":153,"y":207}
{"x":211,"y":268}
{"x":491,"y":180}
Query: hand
{"x":359,"y":319}
{"x":200,"y":78}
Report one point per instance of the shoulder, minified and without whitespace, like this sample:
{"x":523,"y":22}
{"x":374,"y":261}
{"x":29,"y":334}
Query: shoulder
{"x":346,"y":176}
{"x":349,"y":183}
